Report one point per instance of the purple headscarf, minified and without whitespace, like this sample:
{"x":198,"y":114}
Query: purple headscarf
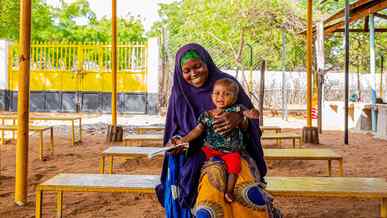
{"x":187,"y":102}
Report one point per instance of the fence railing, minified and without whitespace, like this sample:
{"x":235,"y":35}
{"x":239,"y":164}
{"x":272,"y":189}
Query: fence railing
{"x":81,"y":67}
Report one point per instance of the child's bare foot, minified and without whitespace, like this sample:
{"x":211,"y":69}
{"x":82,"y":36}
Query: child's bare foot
{"x":229,"y":197}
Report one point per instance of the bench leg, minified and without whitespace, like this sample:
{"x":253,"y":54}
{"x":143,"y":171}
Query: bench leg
{"x":383,"y":208}
{"x":52,"y":140}
{"x":329,"y":167}
{"x":13,"y":133}
{"x":294,"y":142}
{"x":41,"y":145}
{"x":341,"y":167}
{"x":102,"y":164}
{"x":80,"y":130}
{"x":2,"y":132}
{"x":59,"y":204}
{"x":111,"y":165}
{"x":38,"y":204}
{"x":72,"y":132}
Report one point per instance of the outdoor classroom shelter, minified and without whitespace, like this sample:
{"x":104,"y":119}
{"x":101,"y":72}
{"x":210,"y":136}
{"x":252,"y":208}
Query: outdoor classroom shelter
{"x":82,"y":88}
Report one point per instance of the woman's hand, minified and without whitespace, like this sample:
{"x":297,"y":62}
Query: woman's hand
{"x":226,"y":121}
{"x":176,"y":141}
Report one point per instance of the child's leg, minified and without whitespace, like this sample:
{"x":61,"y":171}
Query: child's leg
{"x":233,"y":164}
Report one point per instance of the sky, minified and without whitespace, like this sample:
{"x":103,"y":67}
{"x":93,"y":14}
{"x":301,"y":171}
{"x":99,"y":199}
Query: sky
{"x":147,"y":9}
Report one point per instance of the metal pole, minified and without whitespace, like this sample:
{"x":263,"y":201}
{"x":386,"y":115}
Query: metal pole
{"x":309,"y":38}
{"x":381,"y":76}
{"x":114,"y":63}
{"x":284,"y":97}
{"x":251,"y":70}
{"x":373,"y":71}
{"x":346,"y":69}
{"x":23,"y":104}
{"x":262,"y":92}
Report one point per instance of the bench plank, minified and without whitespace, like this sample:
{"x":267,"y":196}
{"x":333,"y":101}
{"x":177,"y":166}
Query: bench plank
{"x":375,"y":188}
{"x":301,"y":153}
{"x":100,"y":183}
{"x":270,"y":154}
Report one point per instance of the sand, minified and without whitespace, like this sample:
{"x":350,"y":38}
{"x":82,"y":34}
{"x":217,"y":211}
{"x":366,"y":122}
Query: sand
{"x":364,"y":156}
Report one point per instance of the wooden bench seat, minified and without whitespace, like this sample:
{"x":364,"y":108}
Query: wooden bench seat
{"x":39,"y":129}
{"x":282,"y":136}
{"x":144,"y":129}
{"x":141,"y":139}
{"x":72,"y":119}
{"x":270,"y":154}
{"x":374,"y":188}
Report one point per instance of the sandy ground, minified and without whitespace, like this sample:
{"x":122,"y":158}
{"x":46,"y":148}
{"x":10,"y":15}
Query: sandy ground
{"x":364,"y":156}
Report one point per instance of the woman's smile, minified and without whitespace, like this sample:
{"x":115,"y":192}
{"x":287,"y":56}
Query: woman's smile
{"x":195,"y":72}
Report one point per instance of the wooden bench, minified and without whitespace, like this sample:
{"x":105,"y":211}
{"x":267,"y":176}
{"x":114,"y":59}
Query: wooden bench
{"x":144,"y":129}
{"x":71,"y":119}
{"x":141,"y":139}
{"x":283,"y":135}
{"x":270,"y":154}
{"x":39,"y":129}
{"x":357,"y":187}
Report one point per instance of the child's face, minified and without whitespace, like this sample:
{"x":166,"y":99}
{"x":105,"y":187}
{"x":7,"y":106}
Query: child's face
{"x":223,"y":96}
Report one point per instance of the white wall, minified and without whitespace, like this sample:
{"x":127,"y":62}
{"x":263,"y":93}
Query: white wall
{"x":3,"y":64}
{"x":153,"y":65}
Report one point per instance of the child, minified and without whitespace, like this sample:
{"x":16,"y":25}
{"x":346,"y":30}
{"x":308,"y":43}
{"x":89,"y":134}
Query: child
{"x":227,"y":147}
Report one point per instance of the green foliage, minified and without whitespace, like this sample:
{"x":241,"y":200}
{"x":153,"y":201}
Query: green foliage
{"x":73,"y":21}
{"x":228,"y":27}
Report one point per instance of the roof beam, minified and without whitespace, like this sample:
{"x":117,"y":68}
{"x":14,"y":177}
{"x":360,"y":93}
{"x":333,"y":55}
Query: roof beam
{"x":358,"y":14}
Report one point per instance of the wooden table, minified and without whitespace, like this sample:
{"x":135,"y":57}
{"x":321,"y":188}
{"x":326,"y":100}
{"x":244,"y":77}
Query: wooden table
{"x":39,"y":129}
{"x":71,"y":119}
{"x":270,"y":154}
{"x":324,"y":187}
{"x":283,"y":135}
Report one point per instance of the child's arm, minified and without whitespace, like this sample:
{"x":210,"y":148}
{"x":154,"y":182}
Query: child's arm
{"x":193,"y":134}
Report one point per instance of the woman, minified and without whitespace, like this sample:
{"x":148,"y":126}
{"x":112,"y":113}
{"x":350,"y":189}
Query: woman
{"x":189,"y":185}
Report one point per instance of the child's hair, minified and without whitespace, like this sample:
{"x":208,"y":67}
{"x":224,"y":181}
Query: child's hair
{"x":229,"y":83}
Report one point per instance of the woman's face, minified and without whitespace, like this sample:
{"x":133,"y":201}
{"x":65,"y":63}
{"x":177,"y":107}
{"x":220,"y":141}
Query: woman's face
{"x":195,"y":72}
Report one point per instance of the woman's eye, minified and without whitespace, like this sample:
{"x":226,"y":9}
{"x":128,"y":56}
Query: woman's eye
{"x":197,"y":66}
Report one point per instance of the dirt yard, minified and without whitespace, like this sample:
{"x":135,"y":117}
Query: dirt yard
{"x":365,"y":156}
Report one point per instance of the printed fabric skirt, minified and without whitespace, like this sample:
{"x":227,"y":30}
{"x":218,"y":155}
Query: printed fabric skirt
{"x":250,"y":199}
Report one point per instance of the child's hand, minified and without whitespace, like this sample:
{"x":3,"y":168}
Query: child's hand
{"x":252,"y":114}
{"x":176,"y":141}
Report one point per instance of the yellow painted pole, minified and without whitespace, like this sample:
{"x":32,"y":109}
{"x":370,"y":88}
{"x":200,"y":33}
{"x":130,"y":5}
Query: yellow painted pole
{"x":23,"y":104}
{"x":309,"y":41}
{"x":114,"y":63}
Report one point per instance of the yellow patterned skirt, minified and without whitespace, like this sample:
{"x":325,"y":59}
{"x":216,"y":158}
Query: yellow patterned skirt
{"x":250,"y":199}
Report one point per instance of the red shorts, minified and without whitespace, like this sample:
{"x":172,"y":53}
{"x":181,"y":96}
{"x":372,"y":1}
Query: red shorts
{"x":232,"y":160}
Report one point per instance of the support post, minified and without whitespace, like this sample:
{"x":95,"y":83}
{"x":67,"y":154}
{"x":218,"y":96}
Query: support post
{"x":381,"y":75}
{"x":309,"y":133}
{"x":114,"y":63}
{"x":320,"y":59}
{"x":284,"y":93}
{"x":346,"y":69}
{"x":114,"y":132}
{"x":262,"y":92}
{"x":23,"y":104}
{"x":373,"y":71}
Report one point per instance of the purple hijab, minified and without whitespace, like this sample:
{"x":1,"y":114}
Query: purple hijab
{"x":185,"y":105}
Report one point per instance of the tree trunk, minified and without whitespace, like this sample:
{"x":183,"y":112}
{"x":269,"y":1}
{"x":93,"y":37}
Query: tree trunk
{"x":114,"y":134}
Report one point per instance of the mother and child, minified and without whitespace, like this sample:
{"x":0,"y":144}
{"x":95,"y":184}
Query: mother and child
{"x":221,"y":174}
